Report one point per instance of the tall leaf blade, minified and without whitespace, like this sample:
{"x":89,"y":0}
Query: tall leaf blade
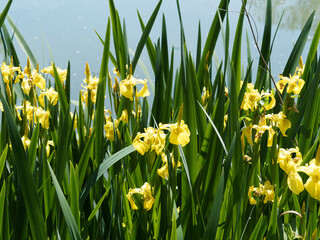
{"x":295,"y":55}
{"x":212,"y":38}
{"x":103,"y":167}
{"x":4,"y":13}
{"x":144,"y":36}
{"x":70,"y":221}
{"x":25,"y":47}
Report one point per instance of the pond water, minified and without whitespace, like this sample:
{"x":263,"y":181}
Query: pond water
{"x":64,"y":30}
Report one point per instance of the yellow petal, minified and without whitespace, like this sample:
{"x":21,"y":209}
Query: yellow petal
{"x":25,"y":86}
{"x":126,"y":89}
{"x":295,"y":183}
{"x":129,"y":196}
{"x":283,"y":125}
{"x":144,"y":92}
{"x":139,"y":145}
{"x":272,"y":102}
{"x":108,"y":127}
{"x":39,"y":81}
{"x":250,"y":100}
{"x":251,"y":199}
{"x":247,"y":132}
{"x":270,"y":137}
{"x":180,"y":134}
{"x":163,"y":171}
{"x":313,"y":188}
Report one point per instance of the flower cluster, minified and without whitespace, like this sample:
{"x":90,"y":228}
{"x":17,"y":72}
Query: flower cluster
{"x":289,"y":159}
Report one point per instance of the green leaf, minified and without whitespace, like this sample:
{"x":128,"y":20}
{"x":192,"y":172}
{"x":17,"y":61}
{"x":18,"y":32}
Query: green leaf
{"x":260,"y":228}
{"x":295,"y":55}
{"x":265,"y":49}
{"x":33,"y":147}
{"x":103,"y":167}
{"x":61,"y":92}
{"x":63,"y":145}
{"x":2,"y":201}
{"x":212,"y":38}
{"x":3,"y":159}
{"x":144,"y":36}
{"x":4,"y":13}
{"x":83,"y":163}
{"x":215,"y":129}
{"x":236,"y":51}
{"x":150,"y":48}
{"x":25,"y":48}
{"x":74,"y":194}
{"x":70,"y":221}
{"x":99,"y":113}
{"x":212,"y":225}
{"x":96,"y":208}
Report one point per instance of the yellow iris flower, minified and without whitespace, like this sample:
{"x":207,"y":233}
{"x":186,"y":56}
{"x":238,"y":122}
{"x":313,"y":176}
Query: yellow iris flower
{"x":289,"y":161}
{"x":261,"y":128}
{"x":180,"y":133}
{"x":110,"y":125}
{"x":92,"y":86}
{"x":36,"y":114}
{"x":146,"y":195}
{"x":164,"y":170}
{"x":26,"y":142}
{"x":32,"y":78}
{"x":51,"y":95}
{"x":205,"y":95}
{"x":279,"y":120}
{"x":313,"y":171}
{"x":152,"y":138}
{"x":62,"y":73}
{"x":43,"y":117}
{"x":49,"y":143}
{"x":295,"y":84}
{"x":266,"y":191}
{"x":252,"y":98}
{"x":155,"y":138}
{"x":126,"y":87}
{"x":274,"y":120}
{"x":8,"y":72}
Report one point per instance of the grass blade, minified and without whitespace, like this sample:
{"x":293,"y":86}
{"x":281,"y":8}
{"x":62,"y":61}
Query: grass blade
{"x":3,"y":159}
{"x":25,"y":48}
{"x":70,"y":221}
{"x":144,"y":36}
{"x":212,"y":225}
{"x":294,"y":57}
{"x":103,"y":167}
{"x":99,"y":118}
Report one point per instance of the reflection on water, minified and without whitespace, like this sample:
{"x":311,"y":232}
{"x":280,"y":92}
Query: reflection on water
{"x":296,"y":12}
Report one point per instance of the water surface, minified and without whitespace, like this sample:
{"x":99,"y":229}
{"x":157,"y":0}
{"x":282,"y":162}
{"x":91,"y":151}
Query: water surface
{"x":64,"y":30}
